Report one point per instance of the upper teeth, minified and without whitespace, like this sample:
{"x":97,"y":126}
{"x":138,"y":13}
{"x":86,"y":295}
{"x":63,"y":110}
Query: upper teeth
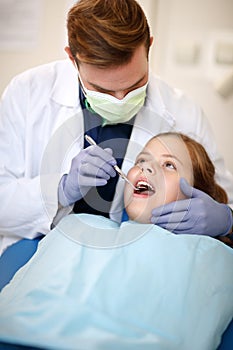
{"x":144,"y":185}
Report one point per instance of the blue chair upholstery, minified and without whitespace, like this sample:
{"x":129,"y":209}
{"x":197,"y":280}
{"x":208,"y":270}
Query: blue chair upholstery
{"x":15,"y":257}
{"x":227,"y":338}
{"x":8,"y":346}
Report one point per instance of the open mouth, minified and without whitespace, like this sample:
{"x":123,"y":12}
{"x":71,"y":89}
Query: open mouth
{"x":143,"y":187}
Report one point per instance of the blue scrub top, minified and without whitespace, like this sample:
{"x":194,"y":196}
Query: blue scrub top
{"x":99,"y":199}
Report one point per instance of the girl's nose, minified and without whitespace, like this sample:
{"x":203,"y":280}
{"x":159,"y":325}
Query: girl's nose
{"x":146,"y":168}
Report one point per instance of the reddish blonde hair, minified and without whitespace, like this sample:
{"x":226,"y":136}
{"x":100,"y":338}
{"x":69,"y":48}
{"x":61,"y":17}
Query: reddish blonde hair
{"x":107,"y":32}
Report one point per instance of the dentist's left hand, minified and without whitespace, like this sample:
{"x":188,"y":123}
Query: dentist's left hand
{"x":93,"y":166}
{"x":198,"y":214}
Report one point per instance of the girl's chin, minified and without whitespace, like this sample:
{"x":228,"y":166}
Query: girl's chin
{"x":142,"y":220}
{"x":139,"y":217}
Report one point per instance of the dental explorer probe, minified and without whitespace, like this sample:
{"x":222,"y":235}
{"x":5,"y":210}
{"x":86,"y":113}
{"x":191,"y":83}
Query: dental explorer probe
{"x":90,"y":140}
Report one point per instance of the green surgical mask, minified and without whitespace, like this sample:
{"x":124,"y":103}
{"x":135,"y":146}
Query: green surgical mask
{"x":113,"y":110}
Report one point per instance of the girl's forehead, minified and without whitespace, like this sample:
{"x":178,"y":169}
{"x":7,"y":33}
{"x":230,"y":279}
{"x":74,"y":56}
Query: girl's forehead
{"x":169,"y":142}
{"x":168,"y":145}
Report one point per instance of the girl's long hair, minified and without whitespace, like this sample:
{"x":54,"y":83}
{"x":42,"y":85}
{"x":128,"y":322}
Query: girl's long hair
{"x":203,"y":170}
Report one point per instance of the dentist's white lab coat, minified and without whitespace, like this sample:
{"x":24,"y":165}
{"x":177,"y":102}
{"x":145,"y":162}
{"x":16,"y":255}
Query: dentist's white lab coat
{"x":41,"y":129}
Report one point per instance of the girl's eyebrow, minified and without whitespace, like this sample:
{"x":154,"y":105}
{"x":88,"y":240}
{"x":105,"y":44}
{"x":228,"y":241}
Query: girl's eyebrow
{"x":168,"y":155}
{"x":144,"y":153}
{"x":172,"y":156}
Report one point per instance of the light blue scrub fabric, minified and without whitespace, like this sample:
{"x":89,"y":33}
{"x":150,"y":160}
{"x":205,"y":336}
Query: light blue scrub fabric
{"x":155,"y":291}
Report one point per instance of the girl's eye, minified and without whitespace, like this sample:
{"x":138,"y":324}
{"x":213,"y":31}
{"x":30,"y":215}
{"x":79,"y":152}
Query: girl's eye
{"x":139,"y":161}
{"x":170,"y":165}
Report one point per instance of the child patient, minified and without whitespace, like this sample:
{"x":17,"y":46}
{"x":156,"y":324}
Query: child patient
{"x":158,"y":169}
{"x":158,"y":290}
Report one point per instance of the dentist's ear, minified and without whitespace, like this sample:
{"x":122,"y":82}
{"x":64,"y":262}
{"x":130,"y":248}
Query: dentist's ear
{"x":71,"y":57}
{"x":68,"y":51}
{"x":151,"y":40}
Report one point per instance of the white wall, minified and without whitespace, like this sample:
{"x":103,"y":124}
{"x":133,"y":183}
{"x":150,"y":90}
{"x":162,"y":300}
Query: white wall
{"x":173,"y":22}
{"x":48,"y":45}
{"x":202,"y":23}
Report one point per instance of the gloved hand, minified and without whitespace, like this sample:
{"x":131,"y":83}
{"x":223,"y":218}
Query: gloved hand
{"x":93,"y":166}
{"x":199,"y":214}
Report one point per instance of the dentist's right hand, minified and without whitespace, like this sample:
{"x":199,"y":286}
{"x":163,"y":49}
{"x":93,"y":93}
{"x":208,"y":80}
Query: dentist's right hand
{"x":93,"y":166}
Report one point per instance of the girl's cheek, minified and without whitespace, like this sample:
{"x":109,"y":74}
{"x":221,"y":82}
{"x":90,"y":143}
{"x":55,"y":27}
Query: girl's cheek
{"x":132,"y":173}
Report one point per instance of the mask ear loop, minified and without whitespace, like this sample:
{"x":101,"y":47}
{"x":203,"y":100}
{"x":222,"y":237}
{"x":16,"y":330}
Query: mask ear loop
{"x":75,"y":63}
{"x":87,"y":104}
{"x":81,"y":85}
{"x":79,"y":78}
